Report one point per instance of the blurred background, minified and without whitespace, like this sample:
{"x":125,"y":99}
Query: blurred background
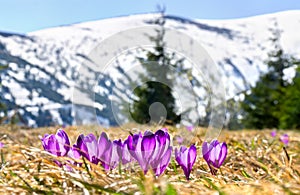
{"x":48,"y":76}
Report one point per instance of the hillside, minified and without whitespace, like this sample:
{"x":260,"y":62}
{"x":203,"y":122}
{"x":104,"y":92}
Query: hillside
{"x":44,"y":66}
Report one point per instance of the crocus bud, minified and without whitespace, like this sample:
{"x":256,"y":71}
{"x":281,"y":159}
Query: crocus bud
{"x":115,"y":155}
{"x":190,"y":128}
{"x":87,"y":147}
{"x":122,"y":150}
{"x":186,"y":158}
{"x":214,"y":154}
{"x":142,"y":148}
{"x":179,"y":140}
{"x":284,"y":139}
{"x":58,"y":144}
{"x":273,"y":133}
{"x":104,"y":151}
{"x":126,"y":157}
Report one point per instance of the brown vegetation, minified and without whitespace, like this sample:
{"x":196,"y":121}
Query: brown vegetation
{"x":256,"y":164}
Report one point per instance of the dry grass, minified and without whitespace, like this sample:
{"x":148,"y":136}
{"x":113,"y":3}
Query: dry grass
{"x":256,"y":164}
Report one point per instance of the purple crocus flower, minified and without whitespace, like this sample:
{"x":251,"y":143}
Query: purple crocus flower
{"x":104,"y":150}
{"x":58,"y":144}
{"x":119,"y":148}
{"x":74,"y":153}
{"x":115,"y":158}
{"x":186,"y":158}
{"x":214,"y":153}
{"x":179,"y":140}
{"x":151,"y":150}
{"x":87,"y":147}
{"x":162,"y":155}
{"x":1,"y":145}
{"x":273,"y":133}
{"x":190,"y":128}
{"x":142,"y":148}
{"x":284,"y":139}
{"x":126,"y":156}
{"x":108,"y":152}
{"x":123,"y":151}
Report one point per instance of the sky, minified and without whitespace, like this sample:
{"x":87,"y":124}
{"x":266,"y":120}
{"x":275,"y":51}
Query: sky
{"x":22,"y":16}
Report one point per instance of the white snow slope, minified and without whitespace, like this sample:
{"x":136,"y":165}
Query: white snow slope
{"x":43,"y":65}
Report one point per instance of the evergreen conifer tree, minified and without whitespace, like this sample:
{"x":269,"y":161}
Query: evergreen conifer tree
{"x":3,"y":108}
{"x":289,"y":117}
{"x":262,"y":106}
{"x":157,"y":65}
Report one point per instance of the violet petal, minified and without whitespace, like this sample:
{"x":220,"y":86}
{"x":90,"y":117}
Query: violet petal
{"x":284,"y":139}
{"x":163,"y":162}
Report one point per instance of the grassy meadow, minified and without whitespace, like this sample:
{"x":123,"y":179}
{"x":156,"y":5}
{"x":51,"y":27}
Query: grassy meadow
{"x":256,"y":164}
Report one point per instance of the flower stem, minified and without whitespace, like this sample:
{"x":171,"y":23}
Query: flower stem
{"x":286,"y":153}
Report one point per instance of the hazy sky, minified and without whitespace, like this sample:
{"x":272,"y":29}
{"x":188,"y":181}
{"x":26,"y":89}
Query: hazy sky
{"x":29,"y":15}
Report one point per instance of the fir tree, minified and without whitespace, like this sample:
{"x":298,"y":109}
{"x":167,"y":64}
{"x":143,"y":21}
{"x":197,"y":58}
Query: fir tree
{"x":290,"y":108}
{"x":154,"y":91}
{"x":262,"y":106}
{"x":3,"y":108}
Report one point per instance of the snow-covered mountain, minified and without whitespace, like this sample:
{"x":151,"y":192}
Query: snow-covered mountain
{"x":43,"y":66}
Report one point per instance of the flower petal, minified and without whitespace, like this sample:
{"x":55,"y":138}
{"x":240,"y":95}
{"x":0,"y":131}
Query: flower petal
{"x":103,"y":144}
{"x":163,"y":163}
{"x":120,"y":147}
{"x":53,"y":146}
{"x":192,"y":156}
{"x":205,"y":151}
{"x":115,"y":158}
{"x":92,"y":147}
{"x":82,"y":148}
{"x":223,"y":154}
{"x":63,"y":141}
{"x":104,"y":150}
{"x":284,"y":139}
{"x":106,"y":156}
{"x":147,"y":148}
{"x":126,"y":157}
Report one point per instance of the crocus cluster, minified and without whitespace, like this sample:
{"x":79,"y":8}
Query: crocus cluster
{"x":151,"y":150}
{"x":214,"y":153}
{"x":95,"y":150}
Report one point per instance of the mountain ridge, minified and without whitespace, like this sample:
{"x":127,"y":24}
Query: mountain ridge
{"x":43,"y":65}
